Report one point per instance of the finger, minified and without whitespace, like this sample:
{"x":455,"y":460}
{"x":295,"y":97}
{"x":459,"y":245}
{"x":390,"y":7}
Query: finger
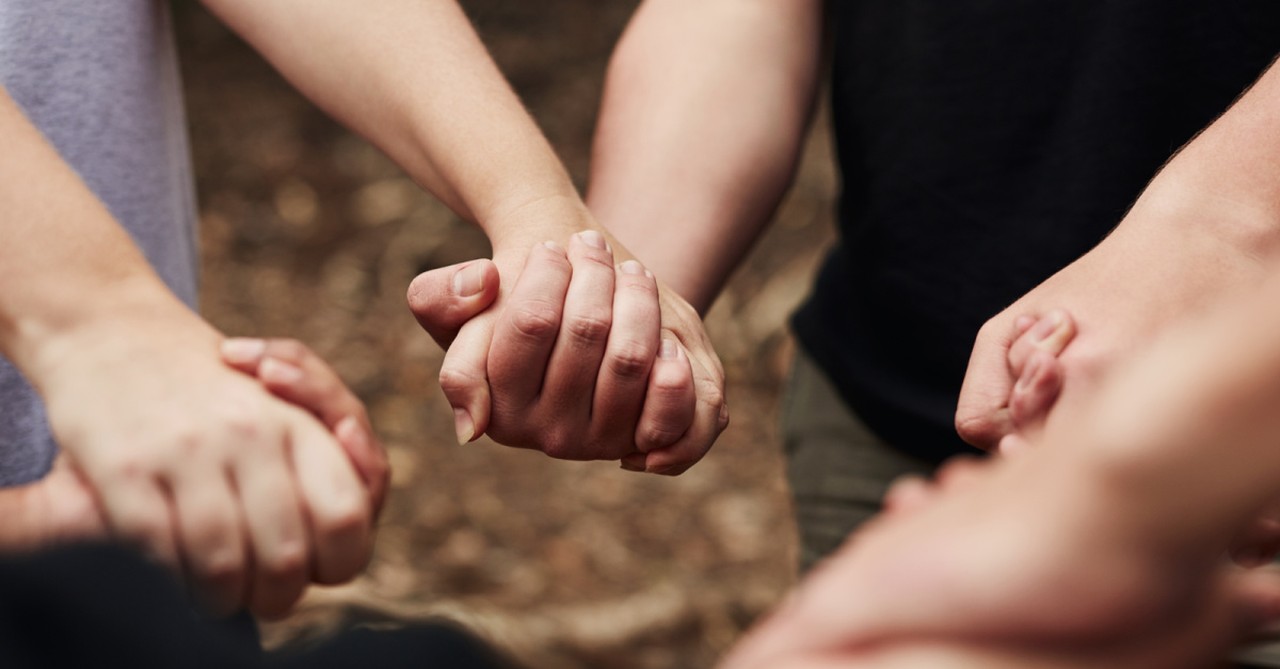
{"x":1049,"y":334}
{"x":584,"y":332}
{"x":293,"y":373}
{"x":908,"y":494}
{"x":319,"y":390}
{"x":1036,"y":390}
{"x":982,"y":414}
{"x":625,"y":373}
{"x":958,"y":473}
{"x":708,"y":418}
{"x":140,"y":513}
{"x":368,"y":456}
{"x":670,"y":402}
{"x":279,"y":549}
{"x":444,"y":299}
{"x":465,"y":380}
{"x":243,"y":353}
{"x":210,"y":535}
{"x":1013,"y":445}
{"x":336,"y":504}
{"x":633,"y":462}
{"x":527,"y":328}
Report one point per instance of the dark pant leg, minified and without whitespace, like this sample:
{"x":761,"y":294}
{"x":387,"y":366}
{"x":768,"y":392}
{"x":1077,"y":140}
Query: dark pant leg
{"x":838,"y":470}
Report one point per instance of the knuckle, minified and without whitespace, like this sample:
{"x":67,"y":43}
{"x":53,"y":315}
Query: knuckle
{"x":653,"y":437}
{"x":456,"y":380}
{"x":590,"y":329}
{"x":630,"y":361}
{"x":288,"y":561}
{"x":535,"y":321}
{"x":222,"y":568}
{"x":348,"y":519}
{"x":561,"y":445}
{"x":977,"y":428}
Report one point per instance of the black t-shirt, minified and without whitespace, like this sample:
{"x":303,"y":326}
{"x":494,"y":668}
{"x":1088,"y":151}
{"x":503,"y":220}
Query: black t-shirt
{"x":984,"y":145}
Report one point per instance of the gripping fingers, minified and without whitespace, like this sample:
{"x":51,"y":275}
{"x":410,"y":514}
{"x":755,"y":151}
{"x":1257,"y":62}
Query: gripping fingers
{"x":335,"y":502}
{"x":278,"y":540}
{"x":670,"y":403}
{"x":709,"y":417}
{"x":210,"y":534}
{"x":585,"y":330}
{"x":527,"y":328}
{"x":464,"y":379}
{"x":1036,"y":390}
{"x":1048,"y":334}
{"x":628,"y":359}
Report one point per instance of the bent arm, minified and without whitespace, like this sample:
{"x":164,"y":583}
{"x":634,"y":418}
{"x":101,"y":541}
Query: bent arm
{"x":413,"y":78}
{"x":705,"y":110}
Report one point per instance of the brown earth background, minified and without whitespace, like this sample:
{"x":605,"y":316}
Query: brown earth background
{"x":309,"y":232}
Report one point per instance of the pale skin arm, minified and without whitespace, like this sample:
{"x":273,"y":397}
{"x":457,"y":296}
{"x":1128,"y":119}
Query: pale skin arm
{"x":413,"y":78}
{"x":705,"y":110}
{"x":194,"y":462}
{"x":1196,"y":233}
{"x":1120,"y":516}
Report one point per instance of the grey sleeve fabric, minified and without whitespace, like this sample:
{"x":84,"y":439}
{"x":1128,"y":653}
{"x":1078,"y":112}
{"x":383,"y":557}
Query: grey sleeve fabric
{"x":100,"y":80}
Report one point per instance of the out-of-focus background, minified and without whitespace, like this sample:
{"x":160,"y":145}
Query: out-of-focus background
{"x":309,"y":232}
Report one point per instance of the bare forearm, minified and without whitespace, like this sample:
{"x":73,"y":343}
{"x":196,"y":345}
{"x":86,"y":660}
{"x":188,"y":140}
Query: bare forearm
{"x":63,"y":258}
{"x":1229,"y":175}
{"x":413,"y":77}
{"x":705,"y":111}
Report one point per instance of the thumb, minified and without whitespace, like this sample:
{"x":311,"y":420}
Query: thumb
{"x":982,"y":411}
{"x":444,"y":299}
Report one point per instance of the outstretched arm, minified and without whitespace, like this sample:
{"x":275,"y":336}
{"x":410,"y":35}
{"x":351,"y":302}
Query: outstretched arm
{"x":705,"y":110}
{"x":1197,"y":233}
{"x":412,"y":76}
{"x":1120,"y":516}
{"x":189,"y":459}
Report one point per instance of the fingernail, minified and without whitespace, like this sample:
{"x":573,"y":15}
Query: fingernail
{"x":631,"y":267}
{"x":1047,"y":325}
{"x":463,"y":426}
{"x":554,"y":247}
{"x":468,"y":281}
{"x":279,"y":372}
{"x":669,"y":349}
{"x":349,"y":433}
{"x":243,"y":349}
{"x":1028,"y":374}
{"x":647,"y":273}
{"x":631,"y":466}
{"x":593,"y":238}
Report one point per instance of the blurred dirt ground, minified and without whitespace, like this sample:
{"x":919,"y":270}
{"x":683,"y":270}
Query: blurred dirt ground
{"x":309,"y":232}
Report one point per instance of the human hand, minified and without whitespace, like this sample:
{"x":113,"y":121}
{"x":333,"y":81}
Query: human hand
{"x":1001,"y":564}
{"x":1033,"y":361}
{"x":581,"y":360}
{"x":1161,"y":264}
{"x":197,"y":464}
{"x":294,"y":373}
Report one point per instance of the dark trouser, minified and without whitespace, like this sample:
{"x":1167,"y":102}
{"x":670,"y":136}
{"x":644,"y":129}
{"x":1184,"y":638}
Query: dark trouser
{"x":838,"y":470}
{"x":98,"y":606}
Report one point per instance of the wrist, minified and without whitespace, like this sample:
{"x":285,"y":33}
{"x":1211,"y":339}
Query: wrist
{"x":516,"y":226}
{"x":115,"y":321}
